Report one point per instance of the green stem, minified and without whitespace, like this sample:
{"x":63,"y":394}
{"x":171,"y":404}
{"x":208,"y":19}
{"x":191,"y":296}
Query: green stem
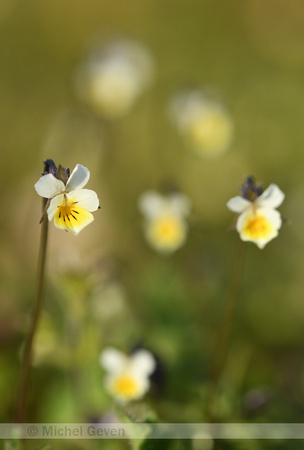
{"x":222,"y":341}
{"x":27,"y":356}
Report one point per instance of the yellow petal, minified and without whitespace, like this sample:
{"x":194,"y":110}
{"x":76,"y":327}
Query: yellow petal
{"x":211,"y":133}
{"x":126,"y":387}
{"x":72,"y":218}
{"x":166,"y":233}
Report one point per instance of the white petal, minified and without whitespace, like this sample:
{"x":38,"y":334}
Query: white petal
{"x":272,"y":197}
{"x":238,"y":204}
{"x":151,"y":203}
{"x":85,"y":198}
{"x":143,"y":362}
{"x":78,"y":178}
{"x":48,"y":186}
{"x":113,"y":360}
{"x":273,"y":216}
{"x":180,"y":203}
{"x":55,"y":202}
{"x":242,"y":219}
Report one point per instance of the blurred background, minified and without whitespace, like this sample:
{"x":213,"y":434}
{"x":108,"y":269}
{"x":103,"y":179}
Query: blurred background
{"x":108,"y":286}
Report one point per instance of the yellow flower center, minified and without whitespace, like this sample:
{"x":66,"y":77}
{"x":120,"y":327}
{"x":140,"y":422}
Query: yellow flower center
{"x":168,"y":232}
{"x":71,"y":217}
{"x":211,"y":133}
{"x":125,"y":386}
{"x":113,"y":94}
{"x":257,"y":227}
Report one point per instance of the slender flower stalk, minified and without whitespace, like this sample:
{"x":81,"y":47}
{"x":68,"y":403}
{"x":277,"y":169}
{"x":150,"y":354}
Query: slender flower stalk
{"x":27,"y":356}
{"x":222,"y":339}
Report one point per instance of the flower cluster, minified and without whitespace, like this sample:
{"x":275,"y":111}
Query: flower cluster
{"x":165,"y":226}
{"x":127,"y":376}
{"x":114,"y":76}
{"x":69,"y":205}
{"x":203,"y":123}
{"x":258,"y":220}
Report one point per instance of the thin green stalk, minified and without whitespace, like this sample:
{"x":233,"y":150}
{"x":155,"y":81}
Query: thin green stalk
{"x":27,"y":356}
{"x":222,"y":340}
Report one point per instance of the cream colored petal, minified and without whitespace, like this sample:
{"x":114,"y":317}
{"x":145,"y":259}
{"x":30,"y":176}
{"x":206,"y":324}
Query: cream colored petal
{"x":261,"y":242}
{"x":84,"y":198}
{"x":52,"y":209}
{"x":179,"y":203}
{"x":259,"y":226}
{"x":78,"y":178}
{"x":272,"y":197}
{"x":166,"y":233}
{"x":113,"y":360}
{"x":127,"y":386}
{"x":238,"y":204}
{"x":151,"y":203}
{"x":273,"y":216}
{"x":143,"y":362}
{"x":48,"y":186}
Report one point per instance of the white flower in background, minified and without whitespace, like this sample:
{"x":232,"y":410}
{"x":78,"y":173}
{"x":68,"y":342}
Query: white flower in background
{"x":127,"y":376}
{"x":114,"y":76}
{"x":165,"y":226}
{"x":203,"y":122}
{"x":69,"y":205}
{"x":258,"y":221}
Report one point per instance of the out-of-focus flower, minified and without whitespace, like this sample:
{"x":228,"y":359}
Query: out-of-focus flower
{"x":258,"y":219}
{"x":203,"y":122}
{"x":114,"y":76}
{"x":69,"y":205}
{"x":109,"y":301}
{"x":127,"y":376}
{"x":165,"y":226}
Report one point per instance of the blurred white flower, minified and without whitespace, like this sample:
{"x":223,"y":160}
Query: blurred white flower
{"x":114,"y":76}
{"x":109,"y":301}
{"x":258,"y":221}
{"x":127,"y":376}
{"x":204,"y":123}
{"x":69,"y":205}
{"x":165,"y":226}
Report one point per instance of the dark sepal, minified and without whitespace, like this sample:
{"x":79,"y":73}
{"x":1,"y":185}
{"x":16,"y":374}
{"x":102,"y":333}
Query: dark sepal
{"x":250,"y":190}
{"x":49,"y":167}
{"x":63,"y":174}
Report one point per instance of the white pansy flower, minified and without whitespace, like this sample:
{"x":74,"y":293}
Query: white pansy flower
{"x":165,"y":226}
{"x":127,"y":376}
{"x":114,"y":76}
{"x":258,"y":220}
{"x":69,"y":205}
{"x":203,"y":122}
